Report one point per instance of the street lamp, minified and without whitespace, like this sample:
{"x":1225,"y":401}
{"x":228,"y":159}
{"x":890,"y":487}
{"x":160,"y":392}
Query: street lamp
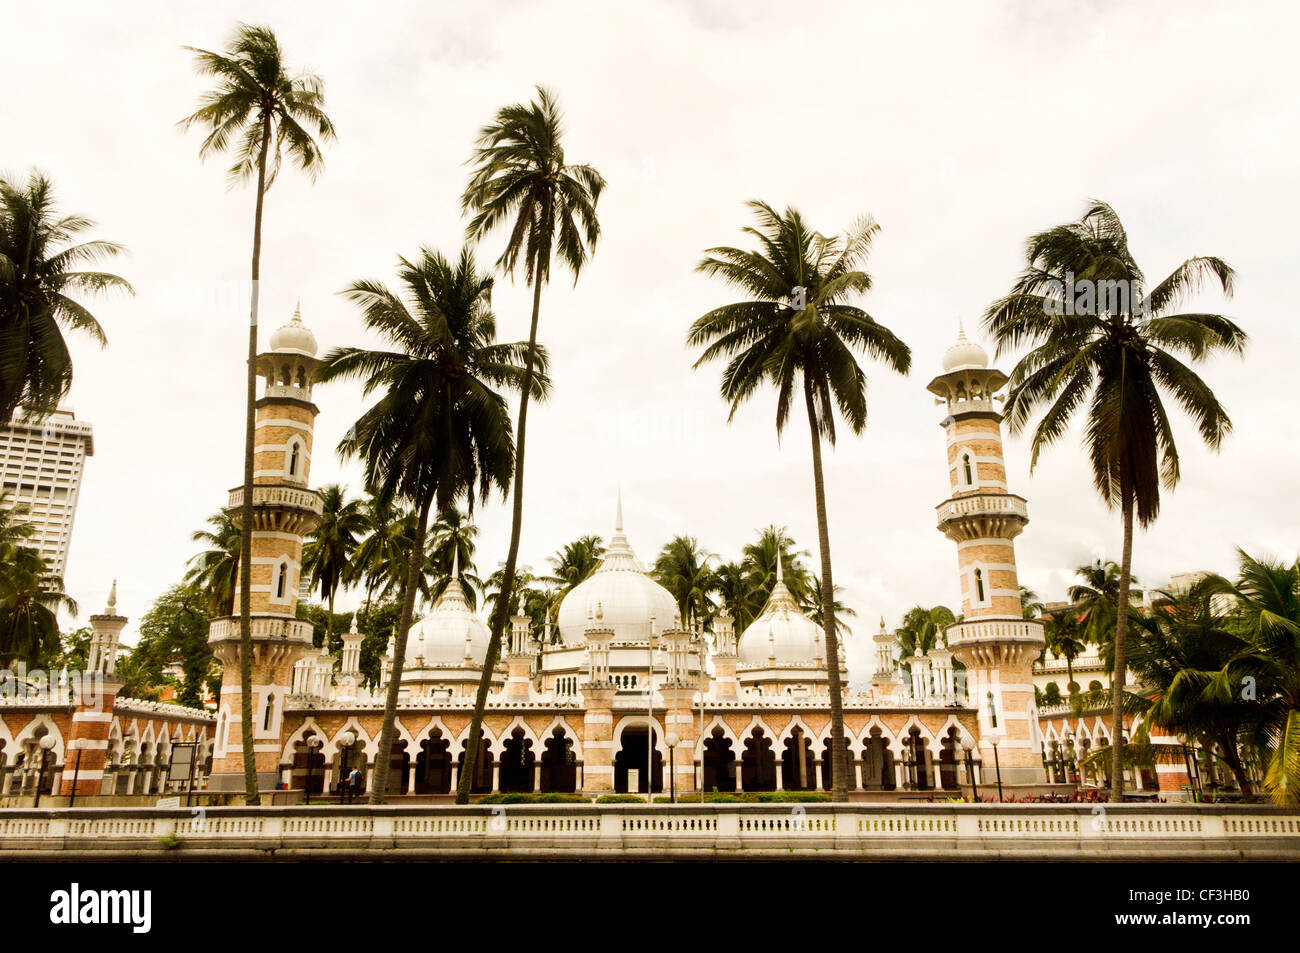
{"x":672,"y":741}
{"x":968,"y":746}
{"x":77,"y":745}
{"x":47,"y":744}
{"x":994,"y":738}
{"x":313,"y":745}
{"x":346,"y":740}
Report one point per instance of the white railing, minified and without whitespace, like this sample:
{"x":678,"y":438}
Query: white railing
{"x":1013,"y":630}
{"x":278,"y":494}
{"x":983,"y":504}
{"x":262,"y":627}
{"x":1036,"y":830}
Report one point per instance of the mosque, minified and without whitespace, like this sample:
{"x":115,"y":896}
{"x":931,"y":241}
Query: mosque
{"x":626,"y":699}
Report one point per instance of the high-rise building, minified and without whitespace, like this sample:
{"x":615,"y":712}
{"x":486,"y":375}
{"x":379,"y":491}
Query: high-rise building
{"x":41,"y":462}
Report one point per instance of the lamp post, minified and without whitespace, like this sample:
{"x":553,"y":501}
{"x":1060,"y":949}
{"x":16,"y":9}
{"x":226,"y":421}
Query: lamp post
{"x":77,"y":745}
{"x":672,"y":741}
{"x":346,"y":740}
{"x":313,"y":745}
{"x":968,"y":746}
{"x":994,"y":738}
{"x":47,"y":743}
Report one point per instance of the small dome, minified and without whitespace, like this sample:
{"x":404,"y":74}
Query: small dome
{"x":780,"y":631}
{"x":619,"y":595}
{"x":294,"y":337}
{"x":965,"y":353}
{"x":442,"y":636}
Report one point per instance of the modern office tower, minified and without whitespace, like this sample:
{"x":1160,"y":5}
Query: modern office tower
{"x":41,"y":462}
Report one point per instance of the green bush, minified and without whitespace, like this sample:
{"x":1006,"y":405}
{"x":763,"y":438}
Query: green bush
{"x":620,"y":799}
{"x":517,"y":797}
{"x":789,"y":797}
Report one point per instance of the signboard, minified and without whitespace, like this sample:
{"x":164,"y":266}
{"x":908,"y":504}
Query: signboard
{"x":165,"y":802}
{"x":633,"y":779}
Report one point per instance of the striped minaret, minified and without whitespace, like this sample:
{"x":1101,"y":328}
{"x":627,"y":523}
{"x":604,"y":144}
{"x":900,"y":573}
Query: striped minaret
{"x":284,"y":511}
{"x":994,"y":641}
{"x":92,"y":713}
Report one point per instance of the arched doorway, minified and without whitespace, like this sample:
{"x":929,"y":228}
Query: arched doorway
{"x":399,"y":767}
{"x":482,"y":783}
{"x":633,"y":754}
{"x":719,"y":763}
{"x":433,"y":765}
{"x":949,"y":747}
{"x":850,"y":767}
{"x":559,"y":764}
{"x":758,"y":766}
{"x":308,"y":769}
{"x":916,"y":761}
{"x":517,"y":763}
{"x":794,"y":776}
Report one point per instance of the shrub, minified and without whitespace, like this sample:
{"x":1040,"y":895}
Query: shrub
{"x":789,"y":797}
{"x":620,"y":799}
{"x":518,"y":797}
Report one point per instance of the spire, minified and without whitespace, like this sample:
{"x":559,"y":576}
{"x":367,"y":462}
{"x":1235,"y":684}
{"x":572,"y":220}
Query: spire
{"x":618,"y":515}
{"x":961,"y":330}
{"x":112,"y":599}
{"x":297,"y":310}
{"x":352,"y":629}
{"x":780,"y":573}
{"x":455,"y":561}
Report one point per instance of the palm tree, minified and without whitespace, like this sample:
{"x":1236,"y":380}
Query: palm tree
{"x":575,"y":562}
{"x":922,"y":628}
{"x":1095,"y":599}
{"x":215,"y":570}
{"x":257,"y":111}
{"x":377,"y":548}
{"x":521,"y":179}
{"x":1266,"y":672}
{"x":759,"y":559}
{"x":683,"y":569}
{"x":1175,"y":653}
{"x":1064,"y":632}
{"x":840,"y":611}
{"x":797,"y":329}
{"x":1099,"y":335}
{"x":452,"y":543}
{"x":740,"y":597}
{"x":440,"y":429}
{"x":39,"y":261}
{"x":328,"y":554}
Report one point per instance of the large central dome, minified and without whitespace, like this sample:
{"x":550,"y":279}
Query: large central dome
{"x":451,"y":634}
{"x":619,"y":595}
{"x":781,"y":634}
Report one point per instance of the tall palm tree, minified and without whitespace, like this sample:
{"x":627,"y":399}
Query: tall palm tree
{"x":1066,"y":638}
{"x":40,"y":262}
{"x":328,"y":554}
{"x":922,"y":628}
{"x":440,"y":429}
{"x":682,"y":568}
{"x":214,"y":571}
{"x":376,"y":548}
{"x":1100,"y":335}
{"x":797,"y":330}
{"x":1095,"y":600}
{"x":257,"y":111}
{"x":1267,"y":671}
{"x":521,"y":180}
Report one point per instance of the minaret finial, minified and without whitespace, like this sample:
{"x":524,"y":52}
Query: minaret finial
{"x":618,"y":515}
{"x":780,"y":573}
{"x":961,"y":330}
{"x":297,"y":310}
{"x":112,"y":599}
{"x":455,"y":561}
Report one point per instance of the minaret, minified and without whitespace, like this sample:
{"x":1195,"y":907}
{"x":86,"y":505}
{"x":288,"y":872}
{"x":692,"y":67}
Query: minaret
{"x":994,"y":641}
{"x":92,"y":712}
{"x":284,"y":511}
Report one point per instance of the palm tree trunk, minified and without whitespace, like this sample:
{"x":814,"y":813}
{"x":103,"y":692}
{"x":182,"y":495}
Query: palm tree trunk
{"x":1120,"y":658}
{"x":466,"y":780}
{"x":379,"y":790}
{"x":839,"y":769}
{"x":251,"y":794}
{"x":1233,"y":760}
{"x":329,"y":619}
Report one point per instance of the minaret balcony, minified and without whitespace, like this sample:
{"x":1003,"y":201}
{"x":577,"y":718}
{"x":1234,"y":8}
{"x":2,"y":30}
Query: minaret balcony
{"x":1028,"y":632}
{"x":983,"y":516}
{"x":262,"y":628}
{"x":279,"y":508}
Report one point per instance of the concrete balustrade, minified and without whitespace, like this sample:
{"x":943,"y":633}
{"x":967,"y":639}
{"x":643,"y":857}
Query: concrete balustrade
{"x":919,"y":831}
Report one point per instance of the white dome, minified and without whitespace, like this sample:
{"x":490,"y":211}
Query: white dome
{"x":619,"y":596}
{"x":440,"y":638}
{"x":294,"y":337}
{"x":781,"y":631}
{"x":964,"y":354}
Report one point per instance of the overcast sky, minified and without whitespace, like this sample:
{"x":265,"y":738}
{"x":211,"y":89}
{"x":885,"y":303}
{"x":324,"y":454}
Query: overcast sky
{"x":962,"y":128}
